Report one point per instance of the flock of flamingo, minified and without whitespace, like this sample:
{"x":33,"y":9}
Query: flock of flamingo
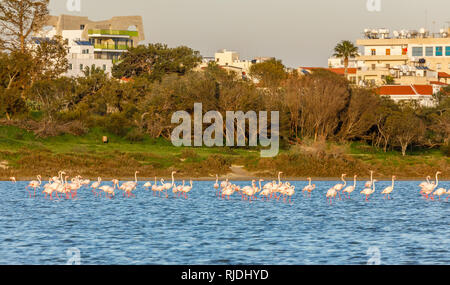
{"x":61,"y":188}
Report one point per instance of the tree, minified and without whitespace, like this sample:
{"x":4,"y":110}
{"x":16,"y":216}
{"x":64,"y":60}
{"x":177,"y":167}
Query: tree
{"x":345,"y":50}
{"x":270,"y":73}
{"x":405,"y":128}
{"x":11,"y":103}
{"x":18,"y":20}
{"x":15,"y":69}
{"x":156,"y":60}
{"x":359,"y":116}
{"x":50,"y":58}
{"x":323,"y":96}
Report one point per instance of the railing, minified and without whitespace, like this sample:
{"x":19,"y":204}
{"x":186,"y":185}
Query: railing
{"x":111,"y":46}
{"x":114,"y":33}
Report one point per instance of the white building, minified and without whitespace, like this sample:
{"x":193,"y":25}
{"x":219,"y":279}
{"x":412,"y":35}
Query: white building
{"x":93,"y":44}
{"x":82,"y":55}
{"x":230,"y":60}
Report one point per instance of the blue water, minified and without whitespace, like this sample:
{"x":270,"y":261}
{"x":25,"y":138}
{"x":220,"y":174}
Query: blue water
{"x":207,"y":230}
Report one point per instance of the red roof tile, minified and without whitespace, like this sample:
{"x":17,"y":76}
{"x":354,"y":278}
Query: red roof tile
{"x":340,"y":71}
{"x":405,"y":90}
{"x":438,"y":83}
{"x":443,"y":75}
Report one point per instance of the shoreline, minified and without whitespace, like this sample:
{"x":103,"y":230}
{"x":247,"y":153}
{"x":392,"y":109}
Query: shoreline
{"x":240,"y":178}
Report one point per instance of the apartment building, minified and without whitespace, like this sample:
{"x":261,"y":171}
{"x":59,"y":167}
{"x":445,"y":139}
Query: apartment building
{"x":94,"y":43}
{"x":409,"y":57}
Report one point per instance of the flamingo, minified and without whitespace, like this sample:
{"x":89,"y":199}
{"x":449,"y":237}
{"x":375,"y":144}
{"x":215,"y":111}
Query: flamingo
{"x":216,"y":185}
{"x":429,"y":188}
{"x":265,"y":193}
{"x":369,"y":191}
{"x":331,"y":193}
{"x":289,"y":193}
{"x":95,"y":185}
{"x":34,"y":184}
{"x":187,"y":189}
{"x":129,"y":186}
{"x":339,"y":187}
{"x":425,"y":183}
{"x":154,"y":186}
{"x":13,"y":179}
{"x":177,"y":189}
{"x":228,"y":191}
{"x":388,"y":190}
{"x":440,"y":192}
{"x":309,"y":188}
{"x":147,"y":185}
{"x":167,"y":186}
{"x":369,"y":183}
{"x":224,"y":184}
{"x":350,"y":189}
{"x":248,"y":190}
{"x":109,"y":191}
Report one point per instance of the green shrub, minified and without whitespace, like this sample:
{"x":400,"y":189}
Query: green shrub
{"x":446,"y":149}
{"x":117,"y":124}
{"x":134,"y":135}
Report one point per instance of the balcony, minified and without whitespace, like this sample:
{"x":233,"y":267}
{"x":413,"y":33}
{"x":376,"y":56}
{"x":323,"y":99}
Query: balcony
{"x":111,"y":47}
{"x":114,"y":33}
{"x":383,"y":58}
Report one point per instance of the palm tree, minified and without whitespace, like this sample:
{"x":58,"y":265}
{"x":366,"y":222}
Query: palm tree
{"x":345,"y":49}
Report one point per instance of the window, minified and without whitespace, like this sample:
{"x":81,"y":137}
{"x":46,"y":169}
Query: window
{"x":447,"y":51}
{"x":104,"y":67}
{"x":373,"y":66}
{"x":388,"y":51}
{"x":429,"y":51}
{"x":374,"y":52}
{"x":417,"y":51}
{"x":438,"y":51}
{"x":81,"y":67}
{"x":70,"y":66}
{"x":438,"y":66}
{"x":82,"y":27}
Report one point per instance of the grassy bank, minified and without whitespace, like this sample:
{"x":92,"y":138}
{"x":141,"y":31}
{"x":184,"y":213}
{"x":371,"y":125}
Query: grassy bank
{"x":23,"y":155}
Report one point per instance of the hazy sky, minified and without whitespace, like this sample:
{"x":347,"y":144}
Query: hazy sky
{"x":300,"y":32}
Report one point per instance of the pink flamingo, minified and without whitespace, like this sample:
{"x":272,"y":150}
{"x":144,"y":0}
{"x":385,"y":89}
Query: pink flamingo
{"x":187,"y":189}
{"x":331,"y":193}
{"x":34,"y":184}
{"x":429,"y":188}
{"x":369,"y":183}
{"x":309,"y":188}
{"x":439,"y":192}
{"x":216,"y":185}
{"x":95,"y":185}
{"x":350,"y":189}
{"x":339,"y":187}
{"x":147,"y":185}
{"x":369,"y":191}
{"x":388,"y":190}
